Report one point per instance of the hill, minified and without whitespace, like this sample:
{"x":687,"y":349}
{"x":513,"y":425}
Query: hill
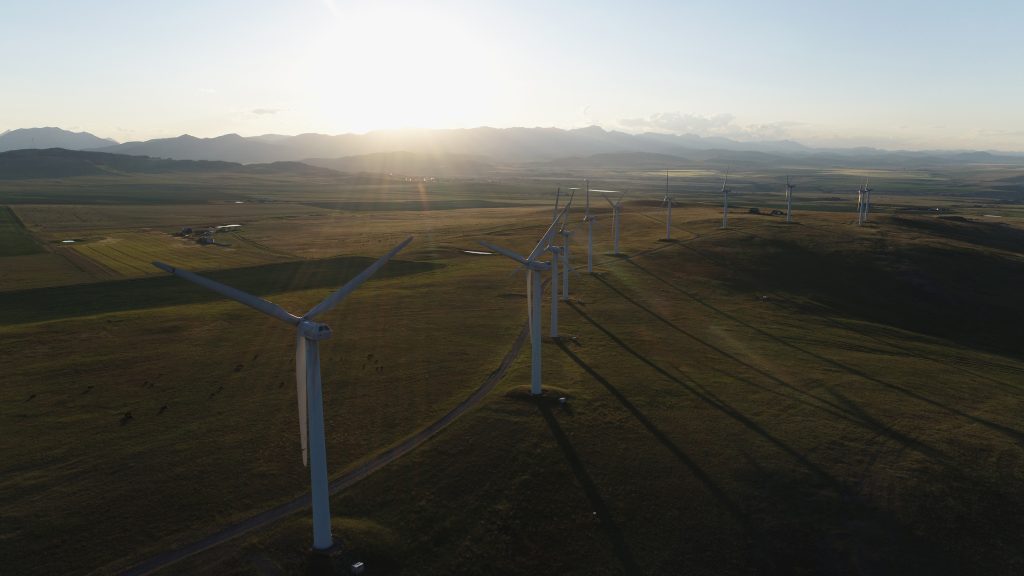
{"x":50,"y":138}
{"x":409,"y":164}
{"x":61,"y":163}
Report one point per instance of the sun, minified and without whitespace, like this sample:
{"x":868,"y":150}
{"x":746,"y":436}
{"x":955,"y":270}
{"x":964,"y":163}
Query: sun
{"x":387,"y":65}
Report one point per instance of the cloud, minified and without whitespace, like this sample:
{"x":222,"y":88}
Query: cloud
{"x":266,"y":111}
{"x":722,"y":125}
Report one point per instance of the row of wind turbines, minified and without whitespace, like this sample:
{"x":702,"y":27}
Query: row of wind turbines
{"x":309,"y":332}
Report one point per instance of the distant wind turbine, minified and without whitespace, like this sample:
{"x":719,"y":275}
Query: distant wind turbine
{"x":566,"y":234}
{"x":789,"y":200}
{"x":307,"y":377}
{"x":590,"y":232}
{"x":556,"y":253}
{"x":616,"y":208}
{"x":863,"y":202}
{"x":533,"y":294}
{"x":667,"y":202}
{"x":725,"y":197}
{"x":867,"y":200}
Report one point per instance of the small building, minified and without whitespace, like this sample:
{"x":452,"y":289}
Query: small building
{"x":185,"y":231}
{"x":228,"y":228}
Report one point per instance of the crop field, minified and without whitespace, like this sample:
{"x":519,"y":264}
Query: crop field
{"x":781,"y":399}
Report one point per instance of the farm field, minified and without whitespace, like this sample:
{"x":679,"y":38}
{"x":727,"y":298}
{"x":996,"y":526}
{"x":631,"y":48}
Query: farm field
{"x":771,"y":398}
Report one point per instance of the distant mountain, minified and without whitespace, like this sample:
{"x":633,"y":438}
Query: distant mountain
{"x":489,"y":145}
{"x":409,"y":164}
{"x":23,"y":138}
{"x":229,"y":148}
{"x":61,"y":163}
{"x":477,"y":151}
{"x":623,"y":160}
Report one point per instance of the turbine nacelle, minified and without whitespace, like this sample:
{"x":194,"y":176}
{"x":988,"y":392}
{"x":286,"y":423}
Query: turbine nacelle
{"x":314,"y":330}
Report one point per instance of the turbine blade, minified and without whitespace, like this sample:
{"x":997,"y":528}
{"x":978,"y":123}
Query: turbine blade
{"x":610,"y":203}
{"x":545,"y":240}
{"x":332,"y":300}
{"x":504,"y":252}
{"x":565,"y":213}
{"x":558,"y":193}
{"x":265,"y":306}
{"x":300,"y":392}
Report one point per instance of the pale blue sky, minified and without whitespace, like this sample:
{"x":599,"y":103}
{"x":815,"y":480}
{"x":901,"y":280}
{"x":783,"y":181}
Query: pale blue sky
{"x":899,"y":74}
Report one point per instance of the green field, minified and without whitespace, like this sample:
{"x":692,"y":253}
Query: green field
{"x":780,"y":399}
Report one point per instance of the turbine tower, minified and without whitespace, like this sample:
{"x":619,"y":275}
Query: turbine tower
{"x":533,"y":295}
{"x":307,"y":377}
{"x":725,"y":205}
{"x":789,"y":200}
{"x":616,"y":207}
{"x":566,"y":238}
{"x":590,"y":232}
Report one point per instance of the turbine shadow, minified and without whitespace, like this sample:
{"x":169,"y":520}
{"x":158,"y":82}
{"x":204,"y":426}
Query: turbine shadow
{"x":714,"y":402}
{"x":596,"y":502}
{"x":685,"y":459}
{"x":1012,"y":433}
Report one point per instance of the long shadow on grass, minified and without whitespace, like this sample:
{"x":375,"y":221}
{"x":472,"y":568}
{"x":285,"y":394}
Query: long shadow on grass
{"x":121,"y":295}
{"x":684,"y":458}
{"x":834,"y":407}
{"x":822,"y":311}
{"x":716,"y":403}
{"x":1014,"y":434}
{"x":596,"y":502}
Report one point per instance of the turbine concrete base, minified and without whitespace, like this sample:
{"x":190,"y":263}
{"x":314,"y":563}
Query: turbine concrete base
{"x":327,"y":562}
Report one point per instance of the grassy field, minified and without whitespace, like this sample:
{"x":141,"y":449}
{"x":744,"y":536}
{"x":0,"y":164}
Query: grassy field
{"x":14,"y":239}
{"x":792,"y":399}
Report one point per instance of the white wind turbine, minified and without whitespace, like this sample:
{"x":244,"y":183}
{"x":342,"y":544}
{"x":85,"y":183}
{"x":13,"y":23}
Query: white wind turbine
{"x":566,"y":237}
{"x":867,"y":200}
{"x":616,"y":207}
{"x":725,"y":196}
{"x":590,"y":232}
{"x":533,"y":294}
{"x":667,"y":202}
{"x":789,"y":200}
{"x":556,"y":253}
{"x":863,"y":202}
{"x":307,"y":377}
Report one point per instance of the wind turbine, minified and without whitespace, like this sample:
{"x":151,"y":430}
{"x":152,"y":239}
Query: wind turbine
{"x":789,"y":200}
{"x":590,"y":232}
{"x":863,"y":201}
{"x":566,"y":237}
{"x":556,"y":253}
{"x":667,"y":202}
{"x":867,"y":200}
{"x":725,"y":206}
{"x":307,"y":377}
{"x":616,"y":206}
{"x":533,"y":294}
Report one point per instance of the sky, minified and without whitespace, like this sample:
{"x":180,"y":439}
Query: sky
{"x":896,"y":74}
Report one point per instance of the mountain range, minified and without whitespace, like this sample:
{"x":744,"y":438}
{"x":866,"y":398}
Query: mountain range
{"x":50,"y":138}
{"x":478,"y":151}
